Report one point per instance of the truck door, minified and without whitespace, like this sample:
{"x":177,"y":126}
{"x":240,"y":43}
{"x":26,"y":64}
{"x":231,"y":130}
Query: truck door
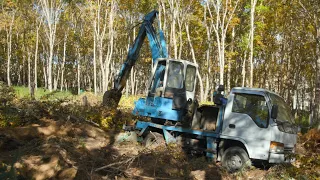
{"x":247,"y":119}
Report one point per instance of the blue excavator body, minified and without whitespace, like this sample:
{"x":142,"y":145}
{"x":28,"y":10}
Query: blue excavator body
{"x":168,"y":92}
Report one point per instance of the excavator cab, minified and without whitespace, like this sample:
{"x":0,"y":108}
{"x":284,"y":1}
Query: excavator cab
{"x":171,"y":87}
{"x":173,"y":77}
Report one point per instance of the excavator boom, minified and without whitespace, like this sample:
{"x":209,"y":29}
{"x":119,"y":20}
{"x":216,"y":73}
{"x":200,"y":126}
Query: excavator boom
{"x":158,"y":50}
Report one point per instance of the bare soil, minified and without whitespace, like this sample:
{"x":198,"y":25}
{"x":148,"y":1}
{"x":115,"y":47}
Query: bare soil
{"x":63,"y":149}
{"x":53,"y":140}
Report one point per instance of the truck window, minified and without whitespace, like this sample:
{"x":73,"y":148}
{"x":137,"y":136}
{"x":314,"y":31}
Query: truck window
{"x":284,"y":112}
{"x":254,"y":106}
{"x":190,"y":78}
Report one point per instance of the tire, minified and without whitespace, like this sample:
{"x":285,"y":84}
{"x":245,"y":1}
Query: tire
{"x":235,"y":159}
{"x":153,"y":140}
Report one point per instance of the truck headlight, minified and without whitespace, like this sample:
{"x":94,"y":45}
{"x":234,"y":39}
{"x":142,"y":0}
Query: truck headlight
{"x":276,"y":147}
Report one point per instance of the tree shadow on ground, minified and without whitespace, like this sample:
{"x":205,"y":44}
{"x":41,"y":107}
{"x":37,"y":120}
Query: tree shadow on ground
{"x":57,"y":146}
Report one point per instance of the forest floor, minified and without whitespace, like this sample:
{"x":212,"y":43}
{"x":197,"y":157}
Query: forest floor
{"x":67,"y":139}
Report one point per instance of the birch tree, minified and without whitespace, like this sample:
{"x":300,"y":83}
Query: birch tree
{"x":194,"y":60}
{"x":208,"y":51}
{"x":9,"y":47}
{"x":312,"y":13}
{"x":251,"y":37}
{"x":50,"y":12}
{"x":110,"y":44}
{"x":174,"y":12}
{"x":224,"y":11}
{"x":36,"y":57}
{"x":65,"y":38}
{"x":100,"y":26}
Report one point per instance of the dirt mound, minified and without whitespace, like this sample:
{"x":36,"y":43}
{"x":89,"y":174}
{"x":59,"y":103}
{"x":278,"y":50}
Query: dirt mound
{"x":53,"y":149}
{"x":67,"y":150}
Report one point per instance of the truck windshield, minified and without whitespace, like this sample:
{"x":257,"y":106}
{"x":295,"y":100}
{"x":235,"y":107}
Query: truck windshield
{"x":284,"y":112}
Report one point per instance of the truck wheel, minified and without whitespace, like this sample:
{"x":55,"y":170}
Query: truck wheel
{"x":235,"y":159}
{"x":153,"y":140}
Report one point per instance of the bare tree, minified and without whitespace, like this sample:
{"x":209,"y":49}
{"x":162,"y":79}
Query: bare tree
{"x":224,"y":12}
{"x":9,"y":48}
{"x":94,"y":61}
{"x":110,"y":44}
{"x":253,"y":7}
{"x":100,"y":29}
{"x":208,"y":51}
{"x":63,"y":59}
{"x":50,"y":11}
{"x":312,"y":13}
{"x":195,"y":61}
{"x":29,"y":68}
{"x":36,"y":58}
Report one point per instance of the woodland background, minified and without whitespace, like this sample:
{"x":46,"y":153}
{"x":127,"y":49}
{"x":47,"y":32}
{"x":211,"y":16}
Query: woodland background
{"x":79,"y":45}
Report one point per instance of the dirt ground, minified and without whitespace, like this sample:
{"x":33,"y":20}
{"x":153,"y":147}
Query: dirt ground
{"x":63,"y":149}
{"x":55,"y":140}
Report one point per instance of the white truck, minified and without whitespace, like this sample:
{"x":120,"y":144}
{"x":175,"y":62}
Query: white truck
{"x":251,"y":124}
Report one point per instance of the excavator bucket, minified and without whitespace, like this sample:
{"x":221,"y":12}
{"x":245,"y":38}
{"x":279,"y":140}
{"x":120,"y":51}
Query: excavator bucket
{"x":111,"y":98}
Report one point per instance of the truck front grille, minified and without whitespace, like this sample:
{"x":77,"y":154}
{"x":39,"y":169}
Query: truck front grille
{"x":288,"y":150}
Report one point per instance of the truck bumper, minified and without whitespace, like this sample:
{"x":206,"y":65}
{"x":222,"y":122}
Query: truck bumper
{"x":281,"y":158}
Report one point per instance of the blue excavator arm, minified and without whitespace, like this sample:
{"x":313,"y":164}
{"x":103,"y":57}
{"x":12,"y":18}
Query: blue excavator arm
{"x":158,"y":50}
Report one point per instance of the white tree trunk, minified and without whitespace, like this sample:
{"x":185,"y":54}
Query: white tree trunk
{"x":173,"y":39}
{"x":57,"y":74}
{"x":45,"y":75}
{"x":253,"y":7}
{"x":220,"y":24}
{"x":195,"y":61}
{"x":51,"y":11}
{"x":244,"y":69}
{"x":100,"y":31}
{"x":110,"y":44}
{"x":317,"y":87}
{"x":29,"y":69}
{"x":9,"y":42}
{"x":94,"y":61}
{"x":78,"y":72}
{"x":63,"y":60}
{"x":36,"y":59}
{"x":229,"y":62}
{"x":209,"y":33}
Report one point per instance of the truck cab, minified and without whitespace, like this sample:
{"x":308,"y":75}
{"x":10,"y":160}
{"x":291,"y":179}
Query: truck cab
{"x":262,"y":122}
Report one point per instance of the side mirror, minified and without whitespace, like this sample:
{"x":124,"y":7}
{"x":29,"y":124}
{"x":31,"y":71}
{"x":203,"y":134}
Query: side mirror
{"x":274,"y":112}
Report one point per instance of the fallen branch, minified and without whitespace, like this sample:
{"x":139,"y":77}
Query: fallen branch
{"x":129,"y":175}
{"x":72,"y":117}
{"x":128,"y":161}
{"x":147,"y":177}
{"x":93,"y":123}
{"x":117,"y":163}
